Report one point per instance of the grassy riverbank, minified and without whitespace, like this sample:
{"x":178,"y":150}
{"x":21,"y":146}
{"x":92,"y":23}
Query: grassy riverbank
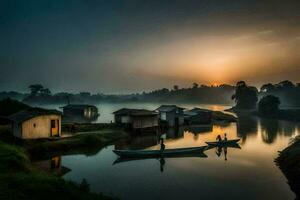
{"x":289,"y":163}
{"x":20,"y":180}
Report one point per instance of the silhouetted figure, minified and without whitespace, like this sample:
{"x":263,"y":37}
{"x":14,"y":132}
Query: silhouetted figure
{"x":225,"y":137}
{"x":219,"y":138}
{"x":162,"y":163}
{"x":225,"y":153}
{"x":162,"y":145}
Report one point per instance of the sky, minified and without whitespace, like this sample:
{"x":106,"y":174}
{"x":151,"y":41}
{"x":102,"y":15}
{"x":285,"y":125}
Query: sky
{"x":124,"y":46}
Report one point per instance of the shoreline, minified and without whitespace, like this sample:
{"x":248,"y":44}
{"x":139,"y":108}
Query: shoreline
{"x":288,"y":162}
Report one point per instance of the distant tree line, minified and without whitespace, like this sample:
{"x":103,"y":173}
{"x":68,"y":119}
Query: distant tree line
{"x":286,"y":91}
{"x":245,"y":96}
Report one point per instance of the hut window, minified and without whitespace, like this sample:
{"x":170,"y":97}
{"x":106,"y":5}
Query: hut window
{"x":34,"y":125}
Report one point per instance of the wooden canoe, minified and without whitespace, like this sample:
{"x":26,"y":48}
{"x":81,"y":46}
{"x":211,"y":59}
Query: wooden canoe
{"x":158,"y":153}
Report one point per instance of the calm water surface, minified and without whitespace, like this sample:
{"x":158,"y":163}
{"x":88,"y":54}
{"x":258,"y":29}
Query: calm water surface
{"x":248,"y":173}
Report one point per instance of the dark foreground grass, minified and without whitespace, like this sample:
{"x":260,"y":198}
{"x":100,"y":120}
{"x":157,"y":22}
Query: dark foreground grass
{"x":289,"y":163}
{"x":19,"y":180}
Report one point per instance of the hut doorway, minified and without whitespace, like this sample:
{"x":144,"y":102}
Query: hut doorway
{"x":176,"y":122}
{"x":54,"y":128}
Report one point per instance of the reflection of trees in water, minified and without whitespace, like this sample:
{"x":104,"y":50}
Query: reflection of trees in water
{"x":269,"y":130}
{"x":246,"y":126}
{"x":287,"y":128}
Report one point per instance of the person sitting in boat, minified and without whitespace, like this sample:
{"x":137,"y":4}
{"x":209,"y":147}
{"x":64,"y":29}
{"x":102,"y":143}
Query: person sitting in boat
{"x":225,"y":137}
{"x":219,"y":138}
{"x":162,"y":145}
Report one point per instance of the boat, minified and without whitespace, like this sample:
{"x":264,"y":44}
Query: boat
{"x":191,"y":155}
{"x":223,"y":142}
{"x":159,"y":153}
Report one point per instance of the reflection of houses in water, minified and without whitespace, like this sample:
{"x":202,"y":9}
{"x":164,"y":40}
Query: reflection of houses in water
{"x":36,"y":123}
{"x":199,"y":129}
{"x":172,"y":115}
{"x":52,"y":165}
{"x":80,"y":113}
{"x":198,"y":116}
{"x":174,"y":132}
{"x":138,"y":142}
{"x":136,"y":118}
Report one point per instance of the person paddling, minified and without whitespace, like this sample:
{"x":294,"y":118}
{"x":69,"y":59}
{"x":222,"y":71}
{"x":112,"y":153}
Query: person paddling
{"x":219,"y":138}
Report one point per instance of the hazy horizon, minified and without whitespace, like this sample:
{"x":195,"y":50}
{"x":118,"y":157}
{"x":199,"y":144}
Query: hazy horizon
{"x":134,"y":46}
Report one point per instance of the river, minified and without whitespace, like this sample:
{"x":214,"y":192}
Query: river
{"x":248,"y":172}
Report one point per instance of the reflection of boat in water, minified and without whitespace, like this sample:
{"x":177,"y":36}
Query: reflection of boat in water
{"x":229,"y":145}
{"x":187,"y":155}
{"x":223,"y":142}
{"x":159,"y":153}
{"x":222,"y":146}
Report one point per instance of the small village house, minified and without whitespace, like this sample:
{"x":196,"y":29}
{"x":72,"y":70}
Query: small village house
{"x":79,"y":113}
{"x":35,"y":123}
{"x":171,"y":114}
{"x":84,"y":110}
{"x":198,"y":116}
{"x":136,"y":118}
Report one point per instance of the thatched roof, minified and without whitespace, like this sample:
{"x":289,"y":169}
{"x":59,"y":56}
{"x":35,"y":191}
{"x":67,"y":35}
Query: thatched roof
{"x":78,"y":106}
{"x":168,"y":108}
{"x":135,"y":112}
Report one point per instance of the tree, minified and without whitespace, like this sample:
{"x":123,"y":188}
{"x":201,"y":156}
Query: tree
{"x":269,"y":105}
{"x":286,"y":84}
{"x":195,"y":85}
{"x":267,"y":87}
{"x":35,"y":89}
{"x":245,"y":96}
{"x":175,"y":87}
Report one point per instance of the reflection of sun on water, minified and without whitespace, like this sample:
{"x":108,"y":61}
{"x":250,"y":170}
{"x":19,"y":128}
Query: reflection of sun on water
{"x":190,"y":139}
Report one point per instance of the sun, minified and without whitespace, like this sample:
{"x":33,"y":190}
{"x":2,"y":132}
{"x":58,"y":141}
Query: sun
{"x":215,"y":84}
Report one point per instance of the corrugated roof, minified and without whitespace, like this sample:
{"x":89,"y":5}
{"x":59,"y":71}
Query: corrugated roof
{"x":31,"y":113}
{"x":168,"y":108}
{"x":134,"y":112}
